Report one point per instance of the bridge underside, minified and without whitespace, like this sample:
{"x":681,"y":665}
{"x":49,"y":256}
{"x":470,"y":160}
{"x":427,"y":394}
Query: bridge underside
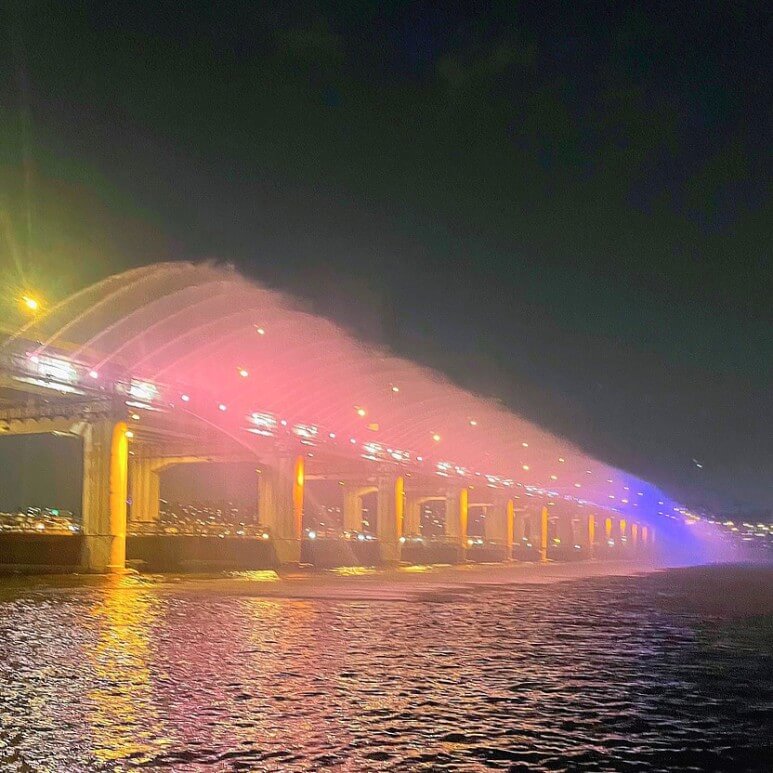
{"x":124,"y":457}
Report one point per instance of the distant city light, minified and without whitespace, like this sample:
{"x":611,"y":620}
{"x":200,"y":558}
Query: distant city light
{"x":185,"y":398}
{"x":436,"y":437}
{"x":561,"y":459}
{"x":261,"y":331}
{"x":243,"y":372}
{"x":361,"y":412}
{"x":129,"y":434}
{"x":223,"y":407}
{"x":93,"y":374}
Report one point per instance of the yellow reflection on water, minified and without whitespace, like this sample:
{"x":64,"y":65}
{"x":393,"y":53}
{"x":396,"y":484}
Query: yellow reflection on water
{"x":258,"y":575}
{"x":416,"y":568}
{"x":353,"y":571}
{"x":122,"y":714}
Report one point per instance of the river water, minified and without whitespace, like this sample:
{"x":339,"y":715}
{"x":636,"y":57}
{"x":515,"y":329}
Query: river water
{"x":435,"y":670}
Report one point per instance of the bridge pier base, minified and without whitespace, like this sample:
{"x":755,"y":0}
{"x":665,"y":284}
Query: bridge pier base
{"x":457,"y":502}
{"x":105,"y":473}
{"x":543,"y":534}
{"x":391,"y":504}
{"x":280,"y":506}
{"x":590,"y":536}
{"x":500,"y":527}
{"x":145,"y":488}
{"x":412,"y":516}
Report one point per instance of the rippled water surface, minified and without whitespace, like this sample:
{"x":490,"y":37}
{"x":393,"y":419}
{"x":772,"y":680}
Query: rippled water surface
{"x":610,"y":673}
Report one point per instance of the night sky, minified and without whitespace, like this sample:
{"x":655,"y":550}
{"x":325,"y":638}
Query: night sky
{"x":564,"y":205}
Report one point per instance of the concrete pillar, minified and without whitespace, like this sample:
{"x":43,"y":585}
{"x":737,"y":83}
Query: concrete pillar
{"x":635,"y":536}
{"x":622,"y":532}
{"x":607,"y":531}
{"x":145,"y":491}
{"x":494,"y":524}
{"x":352,"y":509}
{"x":591,"y":535}
{"x":519,"y":526}
{"x":456,"y":516}
{"x":391,"y":503}
{"x":509,"y":527}
{"x":412,"y":516}
{"x":105,"y":474}
{"x":499,"y":526}
{"x":645,"y":537}
{"x":280,"y":506}
{"x":565,"y":530}
{"x":543,"y":534}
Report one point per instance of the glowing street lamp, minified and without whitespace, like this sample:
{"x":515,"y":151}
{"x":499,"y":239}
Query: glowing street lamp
{"x":30,"y":303}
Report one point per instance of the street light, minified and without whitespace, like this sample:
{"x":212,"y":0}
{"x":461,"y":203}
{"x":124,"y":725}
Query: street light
{"x":30,"y":303}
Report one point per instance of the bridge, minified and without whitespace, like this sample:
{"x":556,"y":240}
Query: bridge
{"x":181,"y":363}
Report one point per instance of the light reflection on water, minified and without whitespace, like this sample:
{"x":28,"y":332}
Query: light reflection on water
{"x":595,"y":673}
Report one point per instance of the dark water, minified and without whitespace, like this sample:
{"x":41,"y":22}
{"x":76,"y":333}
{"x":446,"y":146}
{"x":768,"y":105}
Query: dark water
{"x":606,"y":673}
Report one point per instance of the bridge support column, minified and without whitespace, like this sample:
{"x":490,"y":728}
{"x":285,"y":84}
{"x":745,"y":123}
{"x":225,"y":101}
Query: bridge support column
{"x":565,"y":533}
{"x":499,"y":527}
{"x":622,"y":533}
{"x":391,"y":503}
{"x":352,"y":510}
{"x":145,"y":488}
{"x":412,"y":516}
{"x":519,"y":528}
{"x":543,"y":534}
{"x":280,"y":506}
{"x":456,"y":518}
{"x":635,"y":537}
{"x":105,"y":473}
{"x":608,"y":534}
{"x":590,"y":536}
